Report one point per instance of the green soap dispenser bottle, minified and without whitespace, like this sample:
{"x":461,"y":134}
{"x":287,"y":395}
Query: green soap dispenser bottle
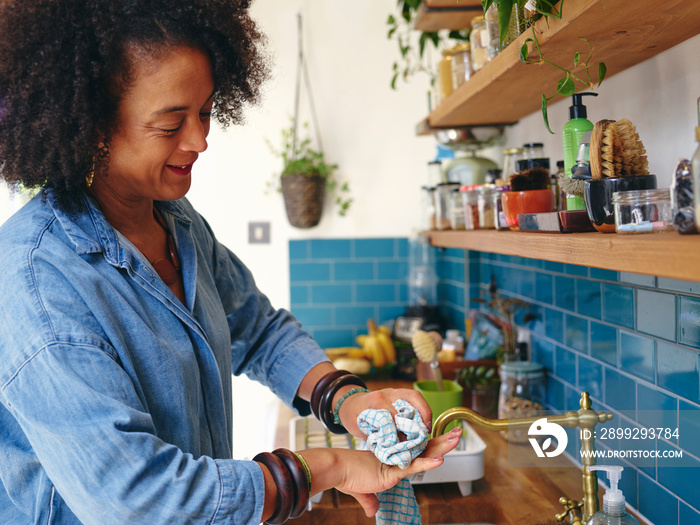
{"x":613,"y":512}
{"x":573,"y":130}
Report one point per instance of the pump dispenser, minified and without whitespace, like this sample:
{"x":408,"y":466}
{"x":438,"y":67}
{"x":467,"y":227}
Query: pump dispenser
{"x":613,"y":512}
{"x":573,"y":130}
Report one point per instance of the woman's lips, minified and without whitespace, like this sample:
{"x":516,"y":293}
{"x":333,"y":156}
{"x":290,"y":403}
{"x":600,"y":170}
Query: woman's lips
{"x":182,"y":170}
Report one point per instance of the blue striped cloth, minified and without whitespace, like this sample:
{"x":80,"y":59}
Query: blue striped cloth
{"x":397,"y":506}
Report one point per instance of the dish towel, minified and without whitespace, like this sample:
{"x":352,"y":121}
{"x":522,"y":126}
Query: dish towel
{"x":397,"y":506}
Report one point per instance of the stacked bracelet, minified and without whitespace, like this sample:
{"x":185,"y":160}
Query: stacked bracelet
{"x":336,"y":412}
{"x":325,"y":391}
{"x":293,"y":480}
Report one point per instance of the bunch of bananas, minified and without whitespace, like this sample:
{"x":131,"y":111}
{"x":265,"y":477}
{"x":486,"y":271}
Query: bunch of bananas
{"x":376,"y":348}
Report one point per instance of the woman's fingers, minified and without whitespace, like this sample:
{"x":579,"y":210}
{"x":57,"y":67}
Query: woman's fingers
{"x":369,"y":502}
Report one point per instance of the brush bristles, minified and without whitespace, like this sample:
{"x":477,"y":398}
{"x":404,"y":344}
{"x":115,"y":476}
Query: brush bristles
{"x":425,"y":346}
{"x":616,"y":150}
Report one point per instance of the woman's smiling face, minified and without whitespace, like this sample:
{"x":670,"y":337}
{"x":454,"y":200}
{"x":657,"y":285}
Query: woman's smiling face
{"x":163,"y":122}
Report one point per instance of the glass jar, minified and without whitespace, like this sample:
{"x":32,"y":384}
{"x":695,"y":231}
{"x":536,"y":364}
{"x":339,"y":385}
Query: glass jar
{"x":491,"y":17}
{"x":456,"y":210}
{"x":533,"y":150}
{"x":682,"y":199}
{"x":470,"y":202}
{"x":499,"y":218}
{"x":521,"y":395}
{"x":428,"y":207}
{"x":444,"y":76}
{"x":442,"y":203}
{"x":485,"y":205}
{"x":516,"y":26}
{"x":510,"y":155}
{"x":642,"y":211}
{"x":479,"y":41}
{"x":461,"y":64}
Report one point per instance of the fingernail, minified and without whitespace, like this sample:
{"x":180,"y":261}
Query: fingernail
{"x":438,"y":458}
{"x":456,"y":429}
{"x":453,"y":438}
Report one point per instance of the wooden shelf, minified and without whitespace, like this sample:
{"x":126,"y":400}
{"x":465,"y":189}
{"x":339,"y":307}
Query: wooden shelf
{"x":447,"y":14}
{"x":623,"y":34}
{"x":667,"y":254}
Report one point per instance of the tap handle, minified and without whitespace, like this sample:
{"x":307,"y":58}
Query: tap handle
{"x":570,"y":507}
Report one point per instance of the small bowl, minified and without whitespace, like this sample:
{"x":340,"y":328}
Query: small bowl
{"x":529,"y":201}
{"x":597,"y":194}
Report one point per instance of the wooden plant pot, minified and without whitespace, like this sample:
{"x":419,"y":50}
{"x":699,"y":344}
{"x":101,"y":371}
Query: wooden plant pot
{"x":303,"y":199}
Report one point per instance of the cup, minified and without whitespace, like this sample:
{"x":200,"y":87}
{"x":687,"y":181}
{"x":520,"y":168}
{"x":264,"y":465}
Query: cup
{"x":438,"y":401}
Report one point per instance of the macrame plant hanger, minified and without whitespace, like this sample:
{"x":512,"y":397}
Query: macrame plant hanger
{"x":303,"y":193}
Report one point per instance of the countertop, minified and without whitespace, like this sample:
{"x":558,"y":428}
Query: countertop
{"x":506,"y":495}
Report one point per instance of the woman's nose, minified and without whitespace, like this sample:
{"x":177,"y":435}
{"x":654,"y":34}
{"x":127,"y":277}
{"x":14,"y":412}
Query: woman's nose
{"x":194,"y":137}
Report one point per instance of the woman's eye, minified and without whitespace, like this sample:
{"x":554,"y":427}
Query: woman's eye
{"x":171,"y":131}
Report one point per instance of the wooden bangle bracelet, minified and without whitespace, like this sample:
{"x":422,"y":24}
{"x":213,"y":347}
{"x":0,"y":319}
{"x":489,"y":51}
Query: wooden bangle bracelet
{"x":320,"y":388}
{"x":283,"y":481}
{"x":326,"y":404}
{"x":299,"y":479}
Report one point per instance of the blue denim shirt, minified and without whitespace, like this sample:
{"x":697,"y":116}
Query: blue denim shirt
{"x":116,"y":397}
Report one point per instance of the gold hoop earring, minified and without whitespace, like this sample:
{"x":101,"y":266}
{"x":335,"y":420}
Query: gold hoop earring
{"x":91,"y":176}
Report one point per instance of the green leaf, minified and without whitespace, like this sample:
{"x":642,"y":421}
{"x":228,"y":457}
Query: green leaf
{"x":525,"y":51}
{"x":391,"y":20}
{"x":577,"y":58}
{"x":544,"y":113}
{"x":391,"y":32}
{"x":602,"y":70}
{"x":566,"y":86}
{"x":505,"y":8}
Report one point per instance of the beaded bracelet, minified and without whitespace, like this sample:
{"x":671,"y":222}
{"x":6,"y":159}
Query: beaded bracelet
{"x":336,"y":412}
{"x":306,"y":468}
{"x":320,"y":388}
{"x":325,"y":407}
{"x":300,"y":477}
{"x":283,"y":481}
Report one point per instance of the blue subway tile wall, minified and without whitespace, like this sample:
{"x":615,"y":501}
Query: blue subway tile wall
{"x":336,"y":285}
{"x":632,"y":341}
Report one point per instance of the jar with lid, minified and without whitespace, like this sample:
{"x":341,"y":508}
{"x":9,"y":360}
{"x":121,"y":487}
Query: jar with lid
{"x":480,"y":40}
{"x":456,"y":210}
{"x":461,"y":64}
{"x":510,"y":155}
{"x":521,"y":395}
{"x":470,"y":202}
{"x":491,"y":17}
{"x":493,"y":175}
{"x":499,"y":218}
{"x":682,"y":200}
{"x":442,"y":204}
{"x":444,"y":76}
{"x":642,"y":211}
{"x":533,"y":150}
{"x":428,"y":207}
{"x":485,"y":205}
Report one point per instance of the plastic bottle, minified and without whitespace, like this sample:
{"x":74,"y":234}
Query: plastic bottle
{"x":573,"y":130}
{"x":613,"y":512}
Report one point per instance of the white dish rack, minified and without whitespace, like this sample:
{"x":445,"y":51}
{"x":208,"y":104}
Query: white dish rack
{"x":462,"y":465}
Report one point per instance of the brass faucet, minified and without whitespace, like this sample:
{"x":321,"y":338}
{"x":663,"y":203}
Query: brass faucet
{"x":584,"y":418}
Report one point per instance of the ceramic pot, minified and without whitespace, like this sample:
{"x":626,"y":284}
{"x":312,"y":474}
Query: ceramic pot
{"x":529,"y":201}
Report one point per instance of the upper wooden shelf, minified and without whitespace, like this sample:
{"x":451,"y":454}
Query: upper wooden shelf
{"x":622,"y":32}
{"x":667,"y":254}
{"x":447,"y":14}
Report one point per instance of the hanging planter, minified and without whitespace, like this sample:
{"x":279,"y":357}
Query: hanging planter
{"x":306,"y":176}
{"x":303,"y":198}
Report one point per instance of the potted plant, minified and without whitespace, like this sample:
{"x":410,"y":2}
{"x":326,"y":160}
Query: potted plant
{"x":305,"y":179}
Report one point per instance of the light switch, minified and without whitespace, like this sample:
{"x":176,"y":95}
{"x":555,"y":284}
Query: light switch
{"x":258,"y":233}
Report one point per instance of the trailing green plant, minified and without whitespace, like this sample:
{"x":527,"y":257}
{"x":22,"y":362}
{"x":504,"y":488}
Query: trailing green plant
{"x":472,"y":376}
{"x":412,"y":46}
{"x":300,"y":158}
{"x":570,"y":82}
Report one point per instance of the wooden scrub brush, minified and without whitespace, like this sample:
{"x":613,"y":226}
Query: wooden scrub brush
{"x":426,"y":345}
{"x":616,"y":150}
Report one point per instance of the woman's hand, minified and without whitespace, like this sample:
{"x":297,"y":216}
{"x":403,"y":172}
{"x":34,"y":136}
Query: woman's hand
{"x":361,"y":475}
{"x":381,"y":400}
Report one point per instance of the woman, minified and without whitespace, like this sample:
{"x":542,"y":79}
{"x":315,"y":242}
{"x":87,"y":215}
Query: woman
{"x":127,"y":316}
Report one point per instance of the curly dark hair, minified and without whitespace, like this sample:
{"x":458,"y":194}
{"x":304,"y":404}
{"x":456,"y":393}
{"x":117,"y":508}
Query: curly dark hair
{"x":66,"y":64}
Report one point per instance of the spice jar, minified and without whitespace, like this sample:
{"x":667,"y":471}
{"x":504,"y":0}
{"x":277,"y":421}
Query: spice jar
{"x":461,"y":64}
{"x":479,"y":39}
{"x":444,"y":76}
{"x":456,"y":211}
{"x":510,"y":156}
{"x":485,"y":205}
{"x":642,"y":211}
{"x":470,"y":202}
{"x":442,"y":205}
{"x":428,"y":207}
{"x":521,"y":395}
{"x":533,"y":150}
{"x":682,"y":198}
{"x":499,"y":219}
